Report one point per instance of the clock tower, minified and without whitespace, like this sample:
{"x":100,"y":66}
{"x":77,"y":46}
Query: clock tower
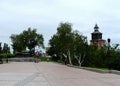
{"x":96,"y":37}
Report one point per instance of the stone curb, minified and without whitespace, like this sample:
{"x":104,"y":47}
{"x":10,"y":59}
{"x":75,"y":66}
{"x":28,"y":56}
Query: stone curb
{"x":96,"y":70}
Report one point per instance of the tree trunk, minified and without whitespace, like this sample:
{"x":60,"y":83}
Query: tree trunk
{"x":69,"y":57}
{"x":79,"y":63}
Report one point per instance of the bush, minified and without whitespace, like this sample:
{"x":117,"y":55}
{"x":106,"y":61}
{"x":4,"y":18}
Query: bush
{"x":45,"y":59}
{"x":75,"y":62}
{"x":3,"y":55}
{"x":6,"y":55}
{"x":115,"y":63}
{"x":55,"y":58}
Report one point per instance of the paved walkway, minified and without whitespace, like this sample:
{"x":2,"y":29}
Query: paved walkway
{"x":52,"y":74}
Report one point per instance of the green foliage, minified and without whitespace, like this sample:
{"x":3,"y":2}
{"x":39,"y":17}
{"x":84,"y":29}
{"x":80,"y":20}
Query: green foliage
{"x":3,"y":55}
{"x":6,"y":49}
{"x":27,"y":39}
{"x":62,"y":41}
{"x":0,"y":47}
{"x":6,"y":55}
{"x":114,"y":57}
{"x":68,"y":42}
{"x":75,"y":62}
{"x":101,"y":58}
{"x":95,"y":57}
{"x":45,"y":59}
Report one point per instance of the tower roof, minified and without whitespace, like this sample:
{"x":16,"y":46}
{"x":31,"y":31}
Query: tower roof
{"x":96,"y":29}
{"x":96,"y":26}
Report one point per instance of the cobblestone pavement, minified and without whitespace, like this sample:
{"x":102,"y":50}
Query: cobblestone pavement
{"x":52,"y":74}
{"x":21,"y":74}
{"x":22,"y":79}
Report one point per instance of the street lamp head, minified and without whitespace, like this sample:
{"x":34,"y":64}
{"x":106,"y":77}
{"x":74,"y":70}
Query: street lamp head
{"x":108,"y":40}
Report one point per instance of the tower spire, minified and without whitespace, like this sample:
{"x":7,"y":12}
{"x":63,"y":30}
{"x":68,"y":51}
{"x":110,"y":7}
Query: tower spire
{"x":96,"y":28}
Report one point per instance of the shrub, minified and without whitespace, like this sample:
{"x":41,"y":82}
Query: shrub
{"x":7,"y":55}
{"x":45,"y":59}
{"x":115,"y":63}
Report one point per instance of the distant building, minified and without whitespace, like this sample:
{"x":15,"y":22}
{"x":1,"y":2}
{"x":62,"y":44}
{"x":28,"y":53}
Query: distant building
{"x":97,"y":37}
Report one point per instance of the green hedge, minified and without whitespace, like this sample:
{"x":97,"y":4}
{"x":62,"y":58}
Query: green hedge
{"x":6,"y":55}
{"x":45,"y":59}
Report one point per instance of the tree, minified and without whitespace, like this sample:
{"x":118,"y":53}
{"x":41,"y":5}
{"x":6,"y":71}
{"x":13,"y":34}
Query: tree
{"x":18,"y":43}
{"x":68,"y":43}
{"x":0,"y":47}
{"x":64,"y":32}
{"x":5,"y":48}
{"x":27,"y":39}
{"x":114,"y":57}
{"x":32,"y":39}
{"x":80,"y":47}
{"x":61,"y":42}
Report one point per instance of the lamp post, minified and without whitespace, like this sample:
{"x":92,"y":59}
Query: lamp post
{"x":109,"y":64}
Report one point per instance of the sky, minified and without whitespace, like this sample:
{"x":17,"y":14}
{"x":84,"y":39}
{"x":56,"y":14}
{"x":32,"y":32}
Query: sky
{"x":46,"y":15}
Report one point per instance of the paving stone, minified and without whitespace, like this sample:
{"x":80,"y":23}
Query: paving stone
{"x":52,"y":74}
{"x":38,"y":84}
{"x":42,"y":79}
{"x":7,"y":83}
{"x":22,"y":79}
